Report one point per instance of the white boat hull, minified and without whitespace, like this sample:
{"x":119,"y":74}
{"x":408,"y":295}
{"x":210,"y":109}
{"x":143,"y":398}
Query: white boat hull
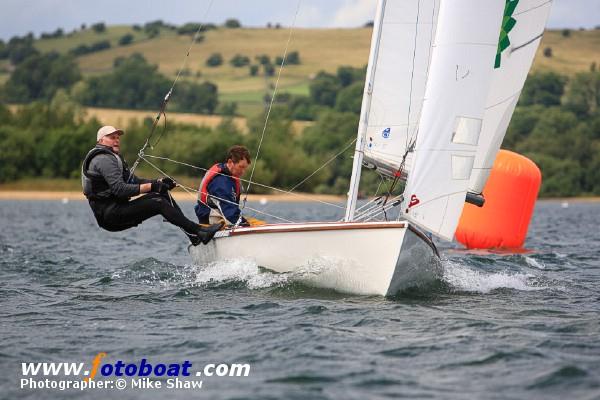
{"x":379,"y":258}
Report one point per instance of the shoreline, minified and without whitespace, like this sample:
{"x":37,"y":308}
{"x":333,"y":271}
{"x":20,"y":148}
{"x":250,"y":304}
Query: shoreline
{"x":184,"y":196}
{"x":180,"y":196}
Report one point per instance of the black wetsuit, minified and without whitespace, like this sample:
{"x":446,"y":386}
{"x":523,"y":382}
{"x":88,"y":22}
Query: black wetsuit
{"x":108,"y":188}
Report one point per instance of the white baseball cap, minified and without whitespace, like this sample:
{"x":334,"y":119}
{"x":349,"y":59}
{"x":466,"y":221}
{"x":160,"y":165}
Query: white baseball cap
{"x":107,"y":130}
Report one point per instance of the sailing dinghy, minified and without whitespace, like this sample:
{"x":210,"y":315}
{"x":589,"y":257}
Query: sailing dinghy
{"x":442,"y":82}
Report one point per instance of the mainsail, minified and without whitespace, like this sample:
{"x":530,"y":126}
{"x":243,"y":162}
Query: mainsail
{"x":523,"y":25}
{"x":459,"y":79}
{"x":397,"y":88}
{"x":394,"y":87}
{"x":442,"y":83}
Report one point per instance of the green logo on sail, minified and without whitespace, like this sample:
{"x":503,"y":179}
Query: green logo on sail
{"x":508,"y":23}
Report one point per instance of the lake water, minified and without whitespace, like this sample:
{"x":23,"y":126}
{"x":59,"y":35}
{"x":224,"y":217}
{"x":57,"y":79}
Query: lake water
{"x":497,"y":326}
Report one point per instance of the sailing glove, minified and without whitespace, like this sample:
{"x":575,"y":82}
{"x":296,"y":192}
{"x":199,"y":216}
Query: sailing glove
{"x":170,"y":183}
{"x":159,"y":187}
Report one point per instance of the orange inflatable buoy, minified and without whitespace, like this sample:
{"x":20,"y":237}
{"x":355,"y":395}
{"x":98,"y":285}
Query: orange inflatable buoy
{"x":510,"y":194}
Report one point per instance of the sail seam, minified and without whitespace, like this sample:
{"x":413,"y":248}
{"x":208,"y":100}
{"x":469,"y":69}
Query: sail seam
{"x":391,"y":125}
{"x":449,"y":150}
{"x":440,"y":197}
{"x":385,"y":153}
{"x":534,"y":8}
{"x":467,"y":43}
{"x":527,"y":43}
{"x":408,"y":23}
{"x":512,"y":96}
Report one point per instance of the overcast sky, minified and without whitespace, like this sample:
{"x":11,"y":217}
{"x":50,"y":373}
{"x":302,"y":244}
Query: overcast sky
{"x":18,"y":17}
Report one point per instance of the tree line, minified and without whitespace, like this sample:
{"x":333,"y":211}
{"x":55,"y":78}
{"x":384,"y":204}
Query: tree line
{"x":50,"y":139}
{"x":556,"y":123}
{"x":132,"y":84}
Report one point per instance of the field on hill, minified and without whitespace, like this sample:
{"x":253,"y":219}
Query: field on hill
{"x":571,"y":53}
{"x":123,"y":118}
{"x":319,"y":49}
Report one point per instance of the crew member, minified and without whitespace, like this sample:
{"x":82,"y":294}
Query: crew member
{"x":108,"y":186}
{"x":219,"y":192}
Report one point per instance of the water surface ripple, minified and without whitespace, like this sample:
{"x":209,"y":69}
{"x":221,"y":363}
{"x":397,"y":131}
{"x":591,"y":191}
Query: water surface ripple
{"x":497,"y":326}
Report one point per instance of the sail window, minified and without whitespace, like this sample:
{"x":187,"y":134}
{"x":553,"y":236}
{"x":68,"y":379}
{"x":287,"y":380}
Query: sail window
{"x":466,"y":131}
{"x":462,"y":166}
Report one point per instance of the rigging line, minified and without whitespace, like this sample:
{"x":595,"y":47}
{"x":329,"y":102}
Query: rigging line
{"x":361,"y":210}
{"x":375,"y":216}
{"x":271,"y":102}
{"x":191,"y":190}
{"x":168,"y":95}
{"x":164,"y":130}
{"x":376,"y":211}
{"x":375,"y":207}
{"x":412,"y":138}
{"x":247,"y":181}
{"x":409,"y":139}
{"x":322,"y":166}
{"x":367,"y":205}
{"x":192,"y":193}
{"x":195,"y":38}
{"x":381,"y":180}
{"x":431,"y":38}
{"x":412,"y":72}
{"x":370,"y":205}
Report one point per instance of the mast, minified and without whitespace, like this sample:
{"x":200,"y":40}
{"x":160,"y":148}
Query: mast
{"x":364,"y":113}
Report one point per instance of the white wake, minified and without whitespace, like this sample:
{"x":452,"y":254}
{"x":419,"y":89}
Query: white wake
{"x":465,"y":279}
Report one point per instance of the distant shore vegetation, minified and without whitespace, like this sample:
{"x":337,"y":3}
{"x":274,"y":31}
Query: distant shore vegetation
{"x":556,"y":123}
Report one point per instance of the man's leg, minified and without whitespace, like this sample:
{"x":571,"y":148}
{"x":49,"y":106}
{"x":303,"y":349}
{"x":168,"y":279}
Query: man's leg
{"x":134,"y":212}
{"x":127,"y":215}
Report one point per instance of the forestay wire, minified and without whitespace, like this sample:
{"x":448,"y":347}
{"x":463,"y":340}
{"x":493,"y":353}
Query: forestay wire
{"x":297,"y":185}
{"x":167,"y":97}
{"x":262,"y":136}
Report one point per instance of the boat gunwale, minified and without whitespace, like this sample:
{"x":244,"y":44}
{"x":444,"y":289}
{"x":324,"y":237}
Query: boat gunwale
{"x":316,"y":226}
{"x":325,"y":226}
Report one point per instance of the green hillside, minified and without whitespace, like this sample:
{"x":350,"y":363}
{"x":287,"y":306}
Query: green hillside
{"x":319,"y":49}
{"x":556,"y":124}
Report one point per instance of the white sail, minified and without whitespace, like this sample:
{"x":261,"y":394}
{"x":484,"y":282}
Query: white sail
{"x":459,"y":80}
{"x":397,"y":85}
{"x":512,"y":66}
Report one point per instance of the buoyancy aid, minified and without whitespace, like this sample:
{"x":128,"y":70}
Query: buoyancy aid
{"x":94,"y":185}
{"x":215,"y":170}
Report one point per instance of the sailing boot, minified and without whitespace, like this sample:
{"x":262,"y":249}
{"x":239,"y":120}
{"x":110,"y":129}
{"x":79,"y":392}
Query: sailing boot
{"x":204,"y":235}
